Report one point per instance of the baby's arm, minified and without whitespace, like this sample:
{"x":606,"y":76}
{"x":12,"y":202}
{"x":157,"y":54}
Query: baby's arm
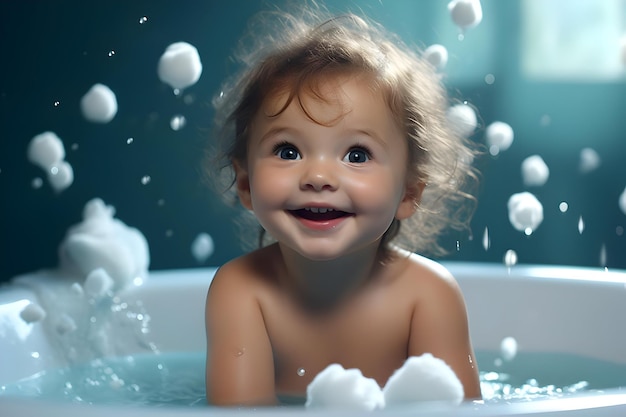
{"x":439,"y":326}
{"x":239,"y":367}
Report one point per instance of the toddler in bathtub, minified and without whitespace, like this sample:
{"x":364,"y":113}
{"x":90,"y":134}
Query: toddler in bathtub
{"x":335,"y":138}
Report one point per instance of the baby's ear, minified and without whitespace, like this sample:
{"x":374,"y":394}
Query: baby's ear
{"x":242,"y":182}
{"x":410,"y":201}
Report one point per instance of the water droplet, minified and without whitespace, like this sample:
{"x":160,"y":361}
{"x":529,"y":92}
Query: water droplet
{"x":490,"y":79}
{"x":178,"y":122}
{"x":510,"y":258}
{"x":35,"y":355}
{"x":57,"y":103}
{"x":146,"y":179}
{"x":161,"y":202}
{"x":169,"y":233}
{"x":111,"y":53}
{"x":129,"y":141}
{"x":563,"y":206}
{"x":528,"y":231}
{"x":143,"y":20}
{"x":581,"y":225}
{"x":74,"y":146}
{"x":458,"y":246}
{"x":301,"y":371}
{"x":461,"y":37}
{"x":36,"y":183}
{"x":486,"y":239}
{"x":240,"y":352}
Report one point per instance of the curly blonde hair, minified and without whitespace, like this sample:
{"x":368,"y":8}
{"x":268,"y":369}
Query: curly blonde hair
{"x":296,"y":52}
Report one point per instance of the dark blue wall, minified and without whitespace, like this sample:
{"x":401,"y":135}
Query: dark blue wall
{"x":53,"y":51}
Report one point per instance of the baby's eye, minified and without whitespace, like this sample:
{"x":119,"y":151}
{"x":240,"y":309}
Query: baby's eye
{"x":357,"y":156}
{"x":286,"y":151}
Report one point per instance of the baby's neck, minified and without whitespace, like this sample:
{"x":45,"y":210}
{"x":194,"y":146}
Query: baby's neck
{"x":322,"y":285}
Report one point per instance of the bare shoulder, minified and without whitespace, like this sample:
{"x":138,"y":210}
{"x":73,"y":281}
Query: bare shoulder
{"x":245,"y":275}
{"x":426,"y":275}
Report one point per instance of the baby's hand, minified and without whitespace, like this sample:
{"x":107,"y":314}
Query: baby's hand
{"x":423,"y":378}
{"x":336,"y":387}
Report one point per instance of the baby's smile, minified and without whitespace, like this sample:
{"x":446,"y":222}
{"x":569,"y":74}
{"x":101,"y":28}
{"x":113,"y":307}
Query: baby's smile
{"x":320,"y":217}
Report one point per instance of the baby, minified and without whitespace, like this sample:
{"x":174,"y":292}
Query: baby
{"x":335,"y":138}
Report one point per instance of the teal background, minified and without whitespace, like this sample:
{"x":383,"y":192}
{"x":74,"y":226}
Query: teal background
{"x":53,"y":51}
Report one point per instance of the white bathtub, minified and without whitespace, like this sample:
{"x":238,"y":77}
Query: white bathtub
{"x":545,"y":308}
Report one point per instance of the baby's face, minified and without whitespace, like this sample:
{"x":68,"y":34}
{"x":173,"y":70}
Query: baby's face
{"x":328,"y":184}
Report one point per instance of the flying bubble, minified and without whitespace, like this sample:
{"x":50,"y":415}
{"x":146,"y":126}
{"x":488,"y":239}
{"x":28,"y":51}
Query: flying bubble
{"x":437,"y":55}
{"x":525,"y":212}
{"x":535,"y":172}
{"x":466,"y":14}
{"x":499,"y":137}
{"x":202,"y":247}
{"x":462,"y":118}
{"x":99,"y":104}
{"x":589,"y":160}
{"x":508,"y":348}
{"x":622,"y":201}
{"x":180,"y":65}
{"x":61,"y":176}
{"x":45,"y":150}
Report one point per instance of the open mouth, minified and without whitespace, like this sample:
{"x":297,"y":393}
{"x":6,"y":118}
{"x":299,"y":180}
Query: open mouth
{"x":319,"y":214}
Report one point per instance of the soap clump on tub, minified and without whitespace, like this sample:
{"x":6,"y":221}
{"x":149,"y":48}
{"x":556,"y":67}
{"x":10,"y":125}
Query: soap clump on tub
{"x":102,"y":241}
{"x":421,"y":378}
{"x":33,"y":312}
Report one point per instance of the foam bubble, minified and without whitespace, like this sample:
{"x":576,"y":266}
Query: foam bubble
{"x":589,"y":160}
{"x":98,"y":283}
{"x":99,"y":104}
{"x":525,"y":212}
{"x":462,"y":118}
{"x":437,"y":55}
{"x":535,"y":172}
{"x":101,"y":241}
{"x":499,"y":137}
{"x":347,"y":389}
{"x":45,"y":150}
{"x":61,"y":176}
{"x":32,"y":313}
{"x":622,"y":201}
{"x":65,"y":324}
{"x":423,"y":378}
{"x":202,"y":247}
{"x":466,"y":14}
{"x":180,"y":65}
{"x":508,"y":348}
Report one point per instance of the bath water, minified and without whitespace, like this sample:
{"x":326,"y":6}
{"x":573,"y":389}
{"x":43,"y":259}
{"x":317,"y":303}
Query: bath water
{"x":177,"y":379}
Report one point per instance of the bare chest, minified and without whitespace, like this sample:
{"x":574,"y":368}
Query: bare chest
{"x":370,"y":334}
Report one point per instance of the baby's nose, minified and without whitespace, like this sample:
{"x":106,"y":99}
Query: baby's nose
{"x":319,"y":174}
